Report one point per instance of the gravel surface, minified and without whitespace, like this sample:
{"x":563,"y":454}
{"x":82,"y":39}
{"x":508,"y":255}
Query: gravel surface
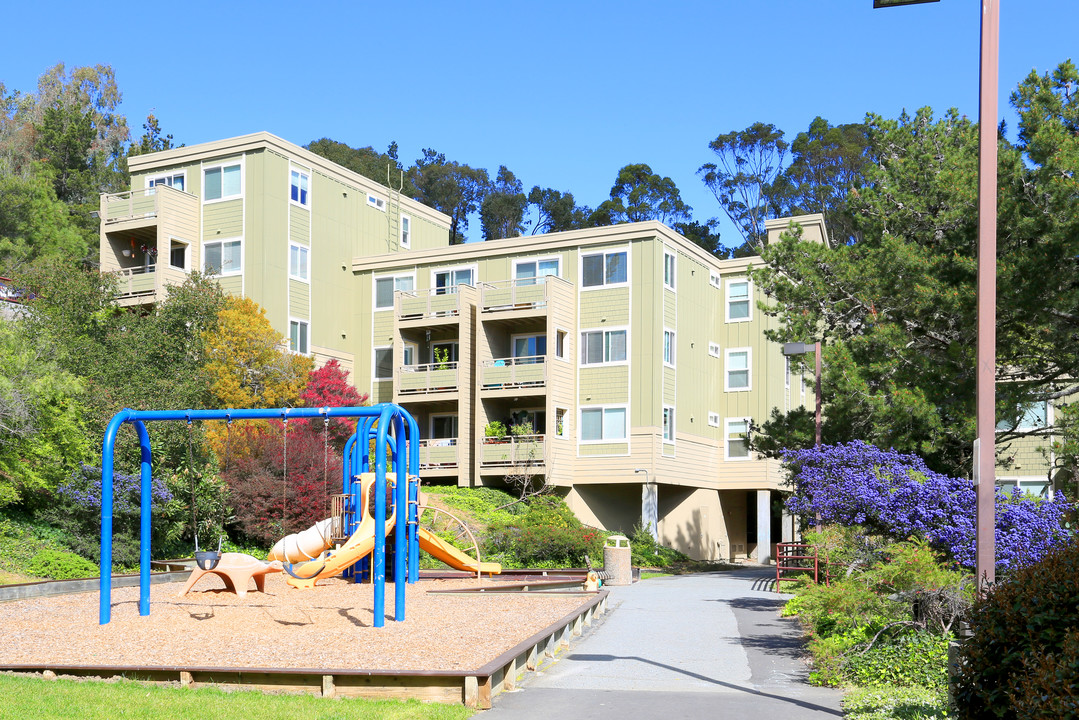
{"x":329,"y":627}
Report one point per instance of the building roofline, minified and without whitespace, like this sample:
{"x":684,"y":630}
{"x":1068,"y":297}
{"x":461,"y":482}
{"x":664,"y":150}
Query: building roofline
{"x":525,"y":244}
{"x":267,"y":141}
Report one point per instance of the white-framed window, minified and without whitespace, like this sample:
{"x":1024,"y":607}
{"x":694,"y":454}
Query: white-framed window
{"x":603,"y":424}
{"x":406,"y":231}
{"x":173,"y":180}
{"x":739,"y":308}
{"x":444,"y":427}
{"x":668,"y":270}
{"x":1031,"y":416}
{"x":536,"y":418}
{"x":668,"y":348}
{"x":737,"y":439}
{"x":528,"y":346}
{"x":668,"y":424}
{"x":222,"y":182}
{"x":1036,"y":486}
{"x":561,"y":337}
{"x":299,"y":187}
{"x":737,"y":376}
{"x":560,"y":422}
{"x":297,"y":336}
{"x":386,"y":286}
{"x":599,"y":347}
{"x":297,"y":262}
{"x":409,"y":353}
{"x":713,"y":349}
{"x":604,"y":269}
{"x":530,"y":272}
{"x":222,"y":257}
{"x":383,"y":363}
{"x":713,"y":279}
{"x":713,"y":419}
{"x":180,"y":254}
{"x":376,"y":202}
{"x":446,"y":281}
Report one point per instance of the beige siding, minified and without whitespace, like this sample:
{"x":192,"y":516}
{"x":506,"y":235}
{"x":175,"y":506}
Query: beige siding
{"x":299,"y":299}
{"x":299,"y":224}
{"x":222,"y":220}
{"x":232,"y":285}
{"x":605,"y":308}
{"x":604,"y":385}
{"x":614,"y":448}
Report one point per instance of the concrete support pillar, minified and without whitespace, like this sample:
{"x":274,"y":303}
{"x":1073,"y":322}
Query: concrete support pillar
{"x":764,"y":526}
{"x":787,"y":524}
{"x":650,"y":509}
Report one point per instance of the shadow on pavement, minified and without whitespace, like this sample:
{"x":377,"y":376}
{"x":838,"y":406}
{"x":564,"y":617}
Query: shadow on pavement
{"x":586,"y":657}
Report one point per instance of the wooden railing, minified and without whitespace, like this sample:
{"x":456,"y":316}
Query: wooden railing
{"x":426,"y":304}
{"x":438,"y":453}
{"x":514,"y":451}
{"x":431,"y":378}
{"x":520,"y":294}
{"x":518,"y":372}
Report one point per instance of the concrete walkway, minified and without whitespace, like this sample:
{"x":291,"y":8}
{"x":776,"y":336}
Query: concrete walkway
{"x":694,"y":646}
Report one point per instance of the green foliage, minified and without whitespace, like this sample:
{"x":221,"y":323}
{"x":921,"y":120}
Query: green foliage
{"x":545,"y":534}
{"x":1023,"y":658}
{"x":495,"y":429}
{"x":639,"y":194}
{"x":557,"y":211}
{"x":449,"y":187}
{"x":646,"y":552}
{"x":22,"y":539}
{"x":917,"y":659}
{"x":26,"y":697}
{"x":383,"y":168}
{"x":503,"y":208}
{"x":485,"y":505}
{"x":61,"y":565}
{"x":35,"y":223}
{"x":896,"y":703}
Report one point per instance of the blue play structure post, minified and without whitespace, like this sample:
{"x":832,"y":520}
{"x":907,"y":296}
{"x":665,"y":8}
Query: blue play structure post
{"x":356,"y":459}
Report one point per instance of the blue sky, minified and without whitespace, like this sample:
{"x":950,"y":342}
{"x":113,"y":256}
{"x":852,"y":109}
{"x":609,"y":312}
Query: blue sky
{"x":562,"y":93}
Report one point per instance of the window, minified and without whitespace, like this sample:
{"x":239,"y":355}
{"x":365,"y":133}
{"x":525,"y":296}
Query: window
{"x":297,"y":262}
{"x":376,"y":202}
{"x":713,"y":419}
{"x":386,"y":286}
{"x":298,"y":193}
{"x":603,"y":346}
{"x":446,"y":281}
{"x":1037,"y":486}
{"x":738,"y":439}
{"x":560,"y":344}
{"x":297,"y":336}
{"x":737,"y":377}
{"x":408,"y":353}
{"x":713,"y":349}
{"x":603,"y":269}
{"x":178,"y":254}
{"x":668,"y":348}
{"x":713,"y":278}
{"x":668,"y":271}
{"x":603,"y":424}
{"x":443,"y":426}
{"x":222,"y":182}
{"x":384,"y":363}
{"x":530,"y":272}
{"x":738,"y":309}
{"x":223,"y":257}
{"x":1029,"y":416}
{"x":536,"y":419}
{"x":444,"y":352}
{"x":175,"y":181}
{"x":560,"y":422}
{"x":406,"y":231}
{"x":668,"y":424}
{"x":529,"y":346}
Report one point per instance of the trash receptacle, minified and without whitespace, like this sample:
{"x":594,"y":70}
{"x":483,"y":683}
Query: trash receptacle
{"x":618,"y":560}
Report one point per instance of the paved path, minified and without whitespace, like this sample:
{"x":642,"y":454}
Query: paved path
{"x":710,"y":645}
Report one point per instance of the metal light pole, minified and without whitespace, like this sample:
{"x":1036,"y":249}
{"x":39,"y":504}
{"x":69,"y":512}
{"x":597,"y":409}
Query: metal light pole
{"x":986,"y":358}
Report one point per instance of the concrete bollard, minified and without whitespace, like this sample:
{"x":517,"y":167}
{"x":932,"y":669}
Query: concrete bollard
{"x":618,"y":560}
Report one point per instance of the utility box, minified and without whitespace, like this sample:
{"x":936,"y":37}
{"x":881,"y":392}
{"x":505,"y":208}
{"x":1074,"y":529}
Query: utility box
{"x":618,"y":560}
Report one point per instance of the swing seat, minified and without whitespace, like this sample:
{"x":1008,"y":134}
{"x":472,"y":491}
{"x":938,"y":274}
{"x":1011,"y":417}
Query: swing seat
{"x":236,"y":570}
{"x":207,"y":559}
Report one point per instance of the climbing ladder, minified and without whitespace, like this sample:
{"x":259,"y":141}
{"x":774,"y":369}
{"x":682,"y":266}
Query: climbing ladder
{"x":393,"y":210}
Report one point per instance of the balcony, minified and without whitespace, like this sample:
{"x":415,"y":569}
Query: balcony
{"x":130,"y":205}
{"x":522,"y":294}
{"x":137,"y":282}
{"x":520,"y":453}
{"x":514,"y":373}
{"x":427,"y":305}
{"x":439,"y":454}
{"x":431,"y":379}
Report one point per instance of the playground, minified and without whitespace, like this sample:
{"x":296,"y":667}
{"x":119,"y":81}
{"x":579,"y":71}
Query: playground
{"x":312,"y":616}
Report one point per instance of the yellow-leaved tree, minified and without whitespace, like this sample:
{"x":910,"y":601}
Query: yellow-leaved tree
{"x":249,"y":364}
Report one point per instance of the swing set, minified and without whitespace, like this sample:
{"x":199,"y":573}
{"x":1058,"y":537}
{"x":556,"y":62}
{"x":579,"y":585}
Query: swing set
{"x":389,"y":425}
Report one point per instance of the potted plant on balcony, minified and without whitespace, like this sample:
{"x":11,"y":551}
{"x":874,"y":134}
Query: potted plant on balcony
{"x":442,"y":359}
{"x":496,"y":431}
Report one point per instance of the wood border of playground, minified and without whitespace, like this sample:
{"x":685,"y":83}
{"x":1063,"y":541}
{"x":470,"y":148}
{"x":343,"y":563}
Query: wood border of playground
{"x":473,"y":688}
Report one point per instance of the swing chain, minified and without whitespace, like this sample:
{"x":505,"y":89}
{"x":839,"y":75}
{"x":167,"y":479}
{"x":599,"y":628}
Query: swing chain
{"x":325,"y":452}
{"x":191,"y":472}
{"x":284,"y":471}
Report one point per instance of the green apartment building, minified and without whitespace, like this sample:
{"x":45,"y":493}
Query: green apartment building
{"x":631,"y":360}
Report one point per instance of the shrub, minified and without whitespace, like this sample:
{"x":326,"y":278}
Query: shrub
{"x":912,"y":659}
{"x":546,"y":534}
{"x":646,"y":552}
{"x":61,"y":565}
{"x":1023,"y":658}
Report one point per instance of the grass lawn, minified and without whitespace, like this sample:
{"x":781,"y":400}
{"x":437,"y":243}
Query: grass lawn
{"x":647,"y":574}
{"x":895,"y":703}
{"x":26,"y":697}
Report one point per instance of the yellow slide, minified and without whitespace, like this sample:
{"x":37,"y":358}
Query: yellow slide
{"x":334,"y":562}
{"x":442,"y":550}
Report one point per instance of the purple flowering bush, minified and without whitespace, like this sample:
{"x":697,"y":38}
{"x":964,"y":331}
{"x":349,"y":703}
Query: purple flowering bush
{"x":896,"y":495}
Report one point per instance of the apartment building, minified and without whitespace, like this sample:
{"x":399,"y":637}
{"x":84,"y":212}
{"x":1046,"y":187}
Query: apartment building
{"x":628,"y":362}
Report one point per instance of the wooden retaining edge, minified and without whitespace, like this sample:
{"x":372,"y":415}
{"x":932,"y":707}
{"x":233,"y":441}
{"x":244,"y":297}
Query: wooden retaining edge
{"x":473,"y":688}
{"x":49,"y":588}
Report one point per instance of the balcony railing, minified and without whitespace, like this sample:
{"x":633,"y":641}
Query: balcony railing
{"x":438,"y":453}
{"x":517,"y":452}
{"x":425,"y":304}
{"x":138,"y":281}
{"x":129,"y":205}
{"x":424,"y":379}
{"x":518,"y":372}
{"x":520,"y":294}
